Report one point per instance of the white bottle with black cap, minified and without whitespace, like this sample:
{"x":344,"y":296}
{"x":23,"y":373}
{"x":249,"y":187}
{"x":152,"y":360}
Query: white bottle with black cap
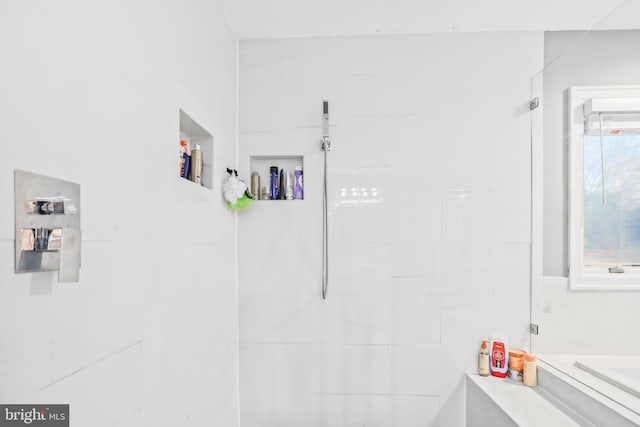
{"x":196,"y":165}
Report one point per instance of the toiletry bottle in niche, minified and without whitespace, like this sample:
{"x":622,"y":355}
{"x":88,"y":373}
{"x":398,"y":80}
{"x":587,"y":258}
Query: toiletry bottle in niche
{"x":196,"y":165}
{"x":183,"y":151}
{"x":288,"y":186}
{"x":255,"y":186}
{"x":273,"y":183}
{"x":186,"y":166}
{"x":483,"y":359}
{"x":265,"y":193}
{"x":281,"y":185}
{"x":298,"y":192}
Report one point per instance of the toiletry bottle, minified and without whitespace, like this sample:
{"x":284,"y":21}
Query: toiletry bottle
{"x":183,"y":151}
{"x":281,"y":185}
{"x":265,"y":193}
{"x":196,"y":165}
{"x":288,"y":192}
{"x":483,"y":359}
{"x":530,"y":375}
{"x":516,"y":363}
{"x":186,"y":166}
{"x":298,"y":192}
{"x":255,"y":186}
{"x":498,"y":356}
{"x":273,"y":182}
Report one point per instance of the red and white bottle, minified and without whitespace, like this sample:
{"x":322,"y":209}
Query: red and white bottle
{"x":498,"y":356}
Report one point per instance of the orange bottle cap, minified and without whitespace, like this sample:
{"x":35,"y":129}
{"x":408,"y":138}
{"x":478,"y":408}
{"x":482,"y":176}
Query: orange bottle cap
{"x":530,"y":357}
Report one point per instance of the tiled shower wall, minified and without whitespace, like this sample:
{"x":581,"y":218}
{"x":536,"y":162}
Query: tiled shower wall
{"x":438,"y":127}
{"x":91,"y":93}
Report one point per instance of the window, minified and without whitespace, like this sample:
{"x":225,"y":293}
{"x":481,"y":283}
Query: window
{"x":604,"y":193}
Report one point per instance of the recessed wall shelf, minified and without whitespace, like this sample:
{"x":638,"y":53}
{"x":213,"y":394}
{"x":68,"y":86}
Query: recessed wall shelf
{"x":193,"y":133}
{"x":262,"y":165}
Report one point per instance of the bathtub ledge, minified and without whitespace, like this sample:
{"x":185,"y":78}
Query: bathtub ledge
{"x":568,"y":387}
{"x":514,"y":405}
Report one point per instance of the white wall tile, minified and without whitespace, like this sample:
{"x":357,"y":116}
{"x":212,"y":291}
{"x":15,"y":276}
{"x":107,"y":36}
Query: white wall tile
{"x":289,"y":409}
{"x":414,"y":259}
{"x":387,"y":410}
{"x":106,"y":393}
{"x":423,"y":370}
{"x":361,"y":223}
{"x":157,"y":282}
{"x":421,"y":220}
{"x":466,"y":217}
{"x":453,"y":407}
{"x":359,"y":264}
{"x":511,"y":226}
{"x":416,"y":281}
{"x":296,"y":368}
{"x":25,"y":363}
{"x":389,"y":319}
{"x":287,"y":317}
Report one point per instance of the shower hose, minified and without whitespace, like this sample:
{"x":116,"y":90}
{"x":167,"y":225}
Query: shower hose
{"x":325,"y":225}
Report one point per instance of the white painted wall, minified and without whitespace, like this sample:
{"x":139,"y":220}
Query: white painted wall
{"x":439,"y":124}
{"x":578,"y":322}
{"x":90,"y":94}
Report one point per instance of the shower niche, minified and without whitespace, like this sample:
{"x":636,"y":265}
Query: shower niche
{"x":195,"y":135}
{"x":286,"y":165}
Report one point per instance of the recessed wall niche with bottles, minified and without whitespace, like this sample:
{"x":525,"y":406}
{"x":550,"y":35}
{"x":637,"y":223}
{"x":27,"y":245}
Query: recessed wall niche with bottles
{"x":277,"y":177}
{"x":197,"y":143}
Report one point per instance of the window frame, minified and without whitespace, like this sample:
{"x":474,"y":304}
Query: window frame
{"x":581,"y":277}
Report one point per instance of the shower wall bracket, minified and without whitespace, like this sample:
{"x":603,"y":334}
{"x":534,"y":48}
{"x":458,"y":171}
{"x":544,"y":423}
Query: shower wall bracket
{"x":47,"y":225}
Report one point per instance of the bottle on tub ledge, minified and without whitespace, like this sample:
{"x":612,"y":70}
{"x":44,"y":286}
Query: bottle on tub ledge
{"x":483,"y":359}
{"x":530,"y":377}
{"x":516,"y":363}
{"x":498,"y":356}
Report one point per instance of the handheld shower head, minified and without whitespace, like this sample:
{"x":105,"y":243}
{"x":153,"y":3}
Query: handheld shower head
{"x":325,"y":118}
{"x":326,"y":142}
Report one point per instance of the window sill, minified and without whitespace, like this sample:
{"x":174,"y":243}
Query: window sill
{"x":604,"y":282}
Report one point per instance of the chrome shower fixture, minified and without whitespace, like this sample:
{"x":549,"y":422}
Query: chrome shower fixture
{"x":326,"y":142}
{"x":47,"y":225}
{"x":326,"y":146}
